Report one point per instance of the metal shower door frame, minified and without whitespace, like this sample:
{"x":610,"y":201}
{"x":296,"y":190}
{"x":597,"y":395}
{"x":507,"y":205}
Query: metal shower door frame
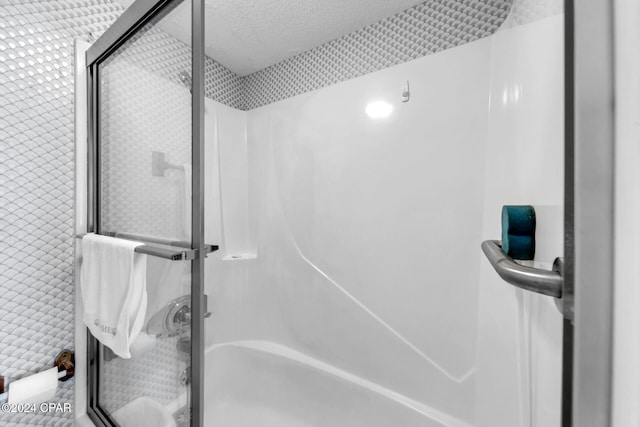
{"x":134,"y":18}
{"x":589,"y":222}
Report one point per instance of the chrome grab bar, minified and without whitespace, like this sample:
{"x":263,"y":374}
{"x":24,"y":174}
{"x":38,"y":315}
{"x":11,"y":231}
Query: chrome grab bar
{"x":532,"y":279}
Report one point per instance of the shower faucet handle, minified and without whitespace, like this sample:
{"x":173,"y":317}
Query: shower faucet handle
{"x":183,"y":316}
{"x":175,"y":317}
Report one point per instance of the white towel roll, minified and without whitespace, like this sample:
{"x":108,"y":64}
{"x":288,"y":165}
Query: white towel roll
{"x":37,"y":388}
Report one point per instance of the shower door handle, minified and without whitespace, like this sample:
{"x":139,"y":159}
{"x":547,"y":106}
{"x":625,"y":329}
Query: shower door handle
{"x":532,"y":279}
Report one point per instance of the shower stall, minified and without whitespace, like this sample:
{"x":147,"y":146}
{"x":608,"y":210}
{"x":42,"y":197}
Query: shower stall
{"x":312,"y":221}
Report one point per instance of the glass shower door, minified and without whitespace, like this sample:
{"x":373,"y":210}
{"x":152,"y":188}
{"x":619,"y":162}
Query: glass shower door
{"x":146,"y":186}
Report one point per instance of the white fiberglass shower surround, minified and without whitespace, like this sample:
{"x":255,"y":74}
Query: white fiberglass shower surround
{"x":349,"y":289}
{"x":348,"y":206}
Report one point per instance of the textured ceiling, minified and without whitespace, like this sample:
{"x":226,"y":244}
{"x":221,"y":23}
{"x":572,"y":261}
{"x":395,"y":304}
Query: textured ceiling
{"x":249,"y":35}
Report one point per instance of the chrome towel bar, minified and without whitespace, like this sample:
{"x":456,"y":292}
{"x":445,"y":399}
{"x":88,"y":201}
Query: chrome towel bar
{"x":532,"y":279}
{"x":183,"y":254}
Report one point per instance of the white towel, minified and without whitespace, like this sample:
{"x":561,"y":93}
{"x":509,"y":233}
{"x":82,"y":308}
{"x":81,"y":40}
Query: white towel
{"x":113,"y":287}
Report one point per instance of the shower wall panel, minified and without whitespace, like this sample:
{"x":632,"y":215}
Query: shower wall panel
{"x":520,"y":333}
{"x":368,"y":230}
{"x":227,"y":179}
